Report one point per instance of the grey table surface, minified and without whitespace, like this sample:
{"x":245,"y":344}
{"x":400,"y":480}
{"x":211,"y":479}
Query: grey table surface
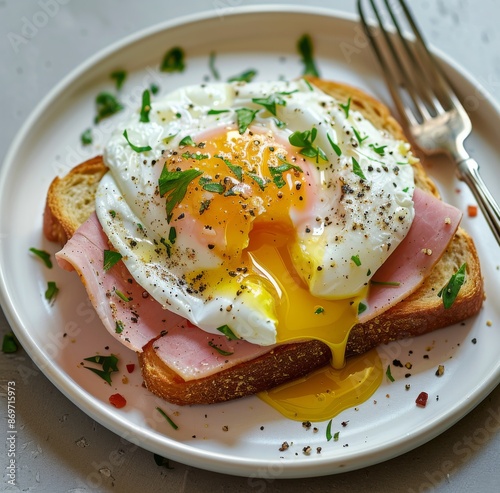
{"x":60,"y":449}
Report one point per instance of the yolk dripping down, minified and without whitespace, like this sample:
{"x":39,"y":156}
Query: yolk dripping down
{"x":249,"y":188}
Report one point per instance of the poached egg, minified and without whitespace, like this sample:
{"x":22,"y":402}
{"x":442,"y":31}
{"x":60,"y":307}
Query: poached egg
{"x":260,"y":210}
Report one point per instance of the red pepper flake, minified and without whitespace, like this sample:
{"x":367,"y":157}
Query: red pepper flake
{"x":117,"y":400}
{"x":422,"y":399}
{"x":472,"y":210}
{"x":130,"y":367}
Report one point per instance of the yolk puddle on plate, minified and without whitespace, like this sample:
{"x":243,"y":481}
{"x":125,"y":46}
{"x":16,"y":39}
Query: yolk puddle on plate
{"x":329,"y":390}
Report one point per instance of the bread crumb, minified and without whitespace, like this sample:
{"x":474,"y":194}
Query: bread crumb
{"x":489,"y":323}
{"x":440,"y":371}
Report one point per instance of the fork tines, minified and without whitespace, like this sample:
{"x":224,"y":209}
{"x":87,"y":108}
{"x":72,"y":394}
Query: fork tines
{"x":416,"y":82}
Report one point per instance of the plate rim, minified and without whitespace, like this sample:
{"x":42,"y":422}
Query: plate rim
{"x":185,"y":452}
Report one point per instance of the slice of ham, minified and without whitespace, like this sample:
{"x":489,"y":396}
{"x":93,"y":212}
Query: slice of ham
{"x":411,"y":262}
{"x":193,"y":353}
{"x":186,"y":349}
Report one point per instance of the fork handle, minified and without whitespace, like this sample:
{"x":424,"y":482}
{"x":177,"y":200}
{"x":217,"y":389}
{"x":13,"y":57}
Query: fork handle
{"x":468,"y":171}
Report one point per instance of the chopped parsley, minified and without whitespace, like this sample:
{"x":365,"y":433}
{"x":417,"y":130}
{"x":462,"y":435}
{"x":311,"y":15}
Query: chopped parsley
{"x":279,"y":123}
{"x":270,"y":102}
{"x":329,"y":431}
{"x":195,"y":155}
{"x":357,"y":169}
{"x":172,"y":236}
{"x":168,"y":138}
{"x":450,"y":292}
{"x":169,"y":421}
{"x":244,"y":117}
{"x":9,"y":343}
{"x":346,"y":107}
{"x":216,"y":112}
{"x":174,"y":185}
{"x":227,"y":332}
{"x":305,"y":141}
{"x":122,"y":296}
{"x":51,"y":292}
{"x":215,"y":187}
{"x":246,"y":76}
{"x":277,"y":172}
{"x":259,"y":180}
{"x":110,"y":258}
{"x":109,"y":364}
{"x":119,"y":327}
{"x":106,"y":105}
{"x":305,"y":48}
{"x":358,"y":136}
{"x":211,"y":65}
{"x":319,"y":310}
{"x":335,"y":147}
{"x":146,"y":106}
{"x":134,"y":147}
{"x":388,"y":373}
{"x":205,"y":204}
{"x":379,"y":150}
{"x":361,"y":308}
{"x":119,"y":77}
{"x":173,"y":61}
{"x":154,"y":88}
{"x":356,"y":260}
{"x":43,"y":255}
{"x":187,"y":141}
{"x":236,"y":170}
{"x":86,"y":137}
{"x":218,"y":349}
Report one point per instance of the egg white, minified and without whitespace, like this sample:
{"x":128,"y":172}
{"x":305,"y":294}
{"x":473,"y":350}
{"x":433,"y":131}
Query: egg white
{"x":353,"y":226}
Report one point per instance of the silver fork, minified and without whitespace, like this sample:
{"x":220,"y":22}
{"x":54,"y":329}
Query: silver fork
{"x":428,"y":105}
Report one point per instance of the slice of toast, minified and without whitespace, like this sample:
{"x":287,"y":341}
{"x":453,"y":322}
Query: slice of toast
{"x":70,"y":202}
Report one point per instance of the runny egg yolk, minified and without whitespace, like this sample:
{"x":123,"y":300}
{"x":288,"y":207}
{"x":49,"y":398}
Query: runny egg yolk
{"x":250,"y":188}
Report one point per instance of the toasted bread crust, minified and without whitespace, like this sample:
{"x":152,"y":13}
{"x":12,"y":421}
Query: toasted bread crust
{"x":70,"y":200}
{"x":421,"y":312}
{"x":282,"y":364}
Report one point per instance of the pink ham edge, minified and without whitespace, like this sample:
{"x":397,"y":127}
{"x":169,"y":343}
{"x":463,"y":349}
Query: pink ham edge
{"x":187,"y":349}
{"x":411,"y":262}
{"x":142,"y":318}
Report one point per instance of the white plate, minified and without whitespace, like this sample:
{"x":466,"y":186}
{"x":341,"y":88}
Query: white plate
{"x":58,"y":337}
